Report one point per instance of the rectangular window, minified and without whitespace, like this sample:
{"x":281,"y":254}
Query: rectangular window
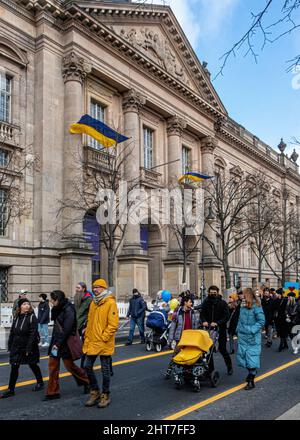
{"x":97,"y":112}
{"x":4,"y":157}
{"x":3,"y":212}
{"x":185,"y":160}
{"x":148,"y":148}
{"x":5,"y":98}
{"x":4,"y":284}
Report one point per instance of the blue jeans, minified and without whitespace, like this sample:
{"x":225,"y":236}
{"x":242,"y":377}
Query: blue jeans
{"x":44,"y":334}
{"x":140,"y":323}
{"x":105,"y":368}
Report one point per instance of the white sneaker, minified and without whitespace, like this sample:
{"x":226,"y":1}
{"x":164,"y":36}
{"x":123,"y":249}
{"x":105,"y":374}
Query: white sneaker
{"x":295,"y":351}
{"x":45,"y":345}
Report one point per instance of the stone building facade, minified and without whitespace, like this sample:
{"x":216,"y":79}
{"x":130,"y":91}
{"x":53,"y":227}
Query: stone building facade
{"x":133,"y":67}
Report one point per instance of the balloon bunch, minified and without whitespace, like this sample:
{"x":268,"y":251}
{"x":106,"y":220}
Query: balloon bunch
{"x":164,"y":297}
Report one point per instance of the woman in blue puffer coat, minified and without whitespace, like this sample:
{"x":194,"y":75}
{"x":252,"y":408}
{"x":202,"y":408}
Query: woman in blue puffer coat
{"x":250,"y":324}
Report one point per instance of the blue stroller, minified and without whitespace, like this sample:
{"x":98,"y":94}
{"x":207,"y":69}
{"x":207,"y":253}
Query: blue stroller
{"x":157,"y":336}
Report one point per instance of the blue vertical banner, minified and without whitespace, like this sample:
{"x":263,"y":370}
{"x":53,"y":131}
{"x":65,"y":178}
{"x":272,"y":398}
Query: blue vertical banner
{"x":144,"y":236}
{"x":91,"y":231}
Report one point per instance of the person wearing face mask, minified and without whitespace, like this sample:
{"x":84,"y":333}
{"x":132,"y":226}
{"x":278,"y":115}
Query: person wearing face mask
{"x":23,"y":346}
{"x":136,"y":312}
{"x":215,"y":313}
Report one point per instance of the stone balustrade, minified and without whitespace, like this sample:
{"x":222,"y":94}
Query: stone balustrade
{"x":8,"y":132}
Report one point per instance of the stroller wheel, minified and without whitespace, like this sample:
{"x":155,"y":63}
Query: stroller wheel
{"x":148,"y":346}
{"x":158,"y":347}
{"x":196,"y":386}
{"x":214,"y":379}
{"x":178,"y":382}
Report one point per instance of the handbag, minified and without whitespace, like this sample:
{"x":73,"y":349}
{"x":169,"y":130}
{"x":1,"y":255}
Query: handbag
{"x":74,"y":344}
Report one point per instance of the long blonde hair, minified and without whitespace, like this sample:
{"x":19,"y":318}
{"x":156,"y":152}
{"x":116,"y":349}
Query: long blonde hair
{"x":250,"y":297}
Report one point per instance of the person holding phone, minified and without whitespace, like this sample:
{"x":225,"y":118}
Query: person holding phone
{"x":65,"y":324}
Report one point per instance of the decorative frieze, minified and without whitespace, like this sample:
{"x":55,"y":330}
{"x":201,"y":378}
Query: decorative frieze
{"x":75,"y":68}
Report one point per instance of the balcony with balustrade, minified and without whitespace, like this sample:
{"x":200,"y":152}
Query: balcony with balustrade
{"x":9,"y":133}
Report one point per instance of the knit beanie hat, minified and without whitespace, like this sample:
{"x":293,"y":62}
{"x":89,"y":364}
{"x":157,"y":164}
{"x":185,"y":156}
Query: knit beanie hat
{"x":22,"y":301}
{"x":100,"y":283}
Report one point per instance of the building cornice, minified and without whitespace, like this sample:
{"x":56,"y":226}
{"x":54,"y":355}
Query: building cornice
{"x":251,"y":151}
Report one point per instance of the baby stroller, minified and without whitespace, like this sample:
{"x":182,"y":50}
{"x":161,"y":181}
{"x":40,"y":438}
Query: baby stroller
{"x":191,"y":363}
{"x":157,"y":337}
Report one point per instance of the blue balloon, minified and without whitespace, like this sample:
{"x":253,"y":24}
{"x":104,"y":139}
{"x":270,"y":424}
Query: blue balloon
{"x":166,"y":295}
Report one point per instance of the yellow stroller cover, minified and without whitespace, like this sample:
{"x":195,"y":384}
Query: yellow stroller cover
{"x":193,"y":344}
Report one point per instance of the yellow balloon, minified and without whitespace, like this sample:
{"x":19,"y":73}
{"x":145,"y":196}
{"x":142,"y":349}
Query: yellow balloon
{"x":173,"y":303}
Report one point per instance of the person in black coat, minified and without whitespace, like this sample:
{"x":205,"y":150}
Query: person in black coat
{"x":136,"y":312}
{"x":215,"y":313}
{"x":267,"y":303}
{"x":44,"y":319}
{"x":282,"y":326}
{"x":65,"y":324}
{"x":234,"y":310}
{"x":23,"y":346}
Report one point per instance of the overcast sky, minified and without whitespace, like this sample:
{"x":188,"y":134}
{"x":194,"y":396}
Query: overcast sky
{"x":262,"y":97}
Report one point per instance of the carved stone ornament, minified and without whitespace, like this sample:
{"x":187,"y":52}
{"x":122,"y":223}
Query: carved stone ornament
{"x":208,"y":144}
{"x":176,"y":125}
{"x":157,"y":48}
{"x":133,"y":101}
{"x":75,"y":68}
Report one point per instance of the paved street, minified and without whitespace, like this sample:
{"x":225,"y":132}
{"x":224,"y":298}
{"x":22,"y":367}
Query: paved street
{"x":140,"y":392}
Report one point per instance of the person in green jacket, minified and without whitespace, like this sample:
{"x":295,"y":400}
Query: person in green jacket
{"x":82,"y":301}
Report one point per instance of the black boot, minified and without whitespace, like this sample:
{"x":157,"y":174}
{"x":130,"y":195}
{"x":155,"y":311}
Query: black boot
{"x":285,"y":345}
{"x":250,"y":382}
{"x":7,"y":393}
{"x":281,"y":345}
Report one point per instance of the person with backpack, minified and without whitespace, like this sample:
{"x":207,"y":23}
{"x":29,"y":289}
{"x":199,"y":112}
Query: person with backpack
{"x":23,"y":347}
{"x":136,"y":313}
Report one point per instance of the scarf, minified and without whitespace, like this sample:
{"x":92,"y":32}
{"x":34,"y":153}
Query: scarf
{"x":97,"y":299}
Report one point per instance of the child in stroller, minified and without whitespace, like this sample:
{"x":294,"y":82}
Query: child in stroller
{"x":193,"y":359}
{"x":157,"y":336}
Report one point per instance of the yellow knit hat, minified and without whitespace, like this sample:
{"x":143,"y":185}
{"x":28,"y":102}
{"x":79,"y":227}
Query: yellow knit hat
{"x":100,"y":283}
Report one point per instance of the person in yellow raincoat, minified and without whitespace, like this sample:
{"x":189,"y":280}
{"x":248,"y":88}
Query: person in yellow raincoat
{"x":103,"y":321}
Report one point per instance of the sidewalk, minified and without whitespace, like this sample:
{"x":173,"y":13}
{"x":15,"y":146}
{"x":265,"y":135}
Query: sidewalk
{"x":121,"y":335}
{"x":291,"y":414}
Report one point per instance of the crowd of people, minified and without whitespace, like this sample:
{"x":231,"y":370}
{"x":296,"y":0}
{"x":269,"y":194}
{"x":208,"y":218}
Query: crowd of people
{"x":86,"y":329}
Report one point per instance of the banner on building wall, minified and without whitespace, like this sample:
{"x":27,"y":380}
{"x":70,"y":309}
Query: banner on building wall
{"x":144,"y":237}
{"x":91,"y":230}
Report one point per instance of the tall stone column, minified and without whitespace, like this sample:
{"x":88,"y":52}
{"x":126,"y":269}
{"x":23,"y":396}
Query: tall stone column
{"x":132,"y":103}
{"x":173,"y":264}
{"x":76,"y":254}
{"x":74,"y":71}
{"x":133,"y":262}
{"x":211,"y":264}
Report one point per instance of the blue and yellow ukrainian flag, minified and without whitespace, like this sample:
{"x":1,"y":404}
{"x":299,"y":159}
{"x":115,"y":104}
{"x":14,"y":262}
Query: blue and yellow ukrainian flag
{"x":195,"y":177}
{"x":97,"y":130}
